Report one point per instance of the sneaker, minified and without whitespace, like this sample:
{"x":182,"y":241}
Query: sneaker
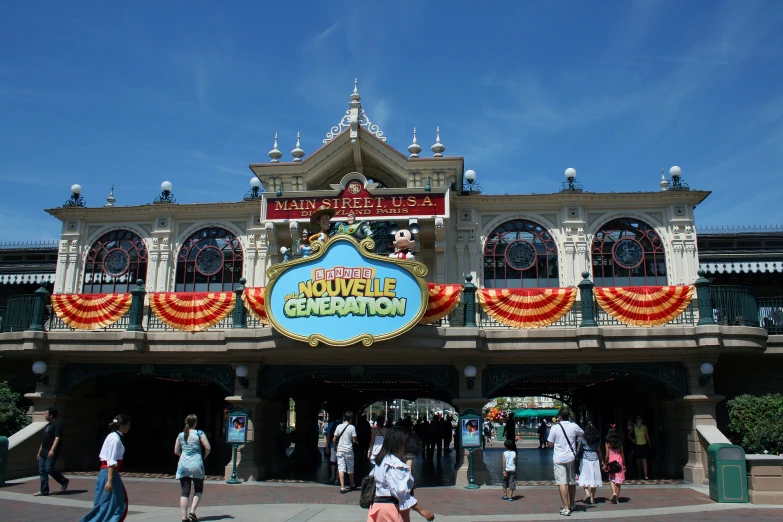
{"x":565,"y":512}
{"x":65,"y":486}
{"x":510,"y":499}
{"x":504,"y":497}
{"x":40,"y":494}
{"x":192,"y":517}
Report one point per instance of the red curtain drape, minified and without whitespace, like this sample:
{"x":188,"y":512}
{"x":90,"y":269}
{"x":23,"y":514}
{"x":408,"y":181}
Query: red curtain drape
{"x":526,"y":307}
{"x":192,"y":311}
{"x":644,"y":305}
{"x":254,"y":302}
{"x":90,"y":311}
{"x":442,"y":300}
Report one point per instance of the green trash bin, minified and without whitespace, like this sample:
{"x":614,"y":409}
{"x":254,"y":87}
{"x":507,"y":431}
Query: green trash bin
{"x":3,"y":459}
{"x":728,"y":473}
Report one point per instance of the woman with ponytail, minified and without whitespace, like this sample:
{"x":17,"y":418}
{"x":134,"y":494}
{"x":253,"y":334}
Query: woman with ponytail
{"x":111,"y":499}
{"x":190,"y":469}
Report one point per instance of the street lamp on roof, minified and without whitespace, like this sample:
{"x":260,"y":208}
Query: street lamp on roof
{"x":470,"y":186}
{"x":166,"y":195}
{"x":255,"y":189}
{"x":570,"y":184}
{"x":76,"y":199}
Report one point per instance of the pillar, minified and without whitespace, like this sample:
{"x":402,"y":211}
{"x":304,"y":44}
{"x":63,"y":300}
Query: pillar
{"x":699,"y":410}
{"x":470,"y":398}
{"x":249,"y":456}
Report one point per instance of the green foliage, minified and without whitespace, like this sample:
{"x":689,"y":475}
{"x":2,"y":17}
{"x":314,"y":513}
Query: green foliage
{"x":13,"y":413}
{"x":757,"y":421}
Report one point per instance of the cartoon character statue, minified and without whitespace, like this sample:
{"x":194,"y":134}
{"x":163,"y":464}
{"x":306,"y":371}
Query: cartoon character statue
{"x":358,"y":230}
{"x":287,"y":252}
{"x":321,"y":219}
{"x":403,"y":243}
{"x":304,"y":249}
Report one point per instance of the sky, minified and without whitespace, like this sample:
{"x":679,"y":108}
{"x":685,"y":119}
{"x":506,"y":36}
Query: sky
{"x":131,"y":94}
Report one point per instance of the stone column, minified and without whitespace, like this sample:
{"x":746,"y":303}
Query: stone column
{"x":480,"y":471}
{"x":699,"y":410}
{"x":46,"y":396}
{"x":249,"y":462}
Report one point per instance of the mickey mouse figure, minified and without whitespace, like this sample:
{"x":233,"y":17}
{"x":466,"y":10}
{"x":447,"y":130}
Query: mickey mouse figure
{"x":403,"y":243}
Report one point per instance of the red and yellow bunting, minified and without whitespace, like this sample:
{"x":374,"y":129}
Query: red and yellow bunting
{"x":443,"y":299}
{"x":90,"y":311}
{"x":254,"y":302}
{"x":527,"y":307}
{"x":192,"y":311}
{"x":644,"y":305}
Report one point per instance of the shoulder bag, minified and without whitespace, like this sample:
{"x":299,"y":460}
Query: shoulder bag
{"x":367,"y":491}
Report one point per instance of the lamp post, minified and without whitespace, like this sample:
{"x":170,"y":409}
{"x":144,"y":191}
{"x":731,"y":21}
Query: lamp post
{"x":570,"y":184}
{"x":166,"y":195}
{"x":39,"y":369}
{"x":255,"y":189}
{"x":470,"y":186}
{"x":470,"y":373}
{"x":76,"y":199}
{"x":706,"y":370}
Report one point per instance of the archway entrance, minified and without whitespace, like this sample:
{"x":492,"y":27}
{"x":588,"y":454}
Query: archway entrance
{"x":603,"y":394}
{"x":157,"y":402}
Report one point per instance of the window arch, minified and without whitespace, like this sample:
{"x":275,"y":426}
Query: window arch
{"x":628,"y":252}
{"x":520,"y":254}
{"x":210,"y":260}
{"x":114,"y":263}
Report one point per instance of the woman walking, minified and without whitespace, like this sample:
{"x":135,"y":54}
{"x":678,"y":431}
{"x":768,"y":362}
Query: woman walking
{"x":615,"y":462}
{"x":111,"y":499}
{"x":394,"y":482}
{"x":641,"y":445}
{"x":376,"y":439}
{"x":590,"y":467}
{"x":191,"y":466}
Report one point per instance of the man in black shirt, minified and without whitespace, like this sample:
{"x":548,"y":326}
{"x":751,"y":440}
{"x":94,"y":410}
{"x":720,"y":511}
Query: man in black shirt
{"x":47,"y":453}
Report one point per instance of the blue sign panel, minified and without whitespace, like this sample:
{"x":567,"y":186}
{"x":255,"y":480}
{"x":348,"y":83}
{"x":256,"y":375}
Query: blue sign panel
{"x":344,"y":294}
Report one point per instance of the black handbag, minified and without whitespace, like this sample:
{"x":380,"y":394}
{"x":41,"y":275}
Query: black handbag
{"x":367,"y":492}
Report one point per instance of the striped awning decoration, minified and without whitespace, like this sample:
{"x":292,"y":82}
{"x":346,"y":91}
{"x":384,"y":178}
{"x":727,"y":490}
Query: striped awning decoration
{"x":254,"y":303}
{"x":645,"y":306}
{"x":526,"y":307}
{"x":443,"y":299}
{"x":90,"y":311}
{"x":192,"y":311}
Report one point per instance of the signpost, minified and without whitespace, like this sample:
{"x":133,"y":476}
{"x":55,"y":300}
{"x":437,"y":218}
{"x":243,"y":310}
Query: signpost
{"x":470,"y":437}
{"x":236,"y":435}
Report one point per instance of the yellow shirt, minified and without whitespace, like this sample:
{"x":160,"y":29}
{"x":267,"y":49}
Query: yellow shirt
{"x":639,"y":434}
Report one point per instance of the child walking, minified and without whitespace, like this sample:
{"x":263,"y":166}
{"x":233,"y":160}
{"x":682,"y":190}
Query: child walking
{"x":615,"y":462}
{"x":509,"y":470}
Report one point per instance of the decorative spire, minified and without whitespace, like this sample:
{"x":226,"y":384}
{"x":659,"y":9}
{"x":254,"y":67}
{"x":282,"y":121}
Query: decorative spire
{"x":110,"y":200}
{"x":275,"y":153}
{"x":664,"y":182}
{"x":355,"y":96}
{"x":414,"y":148}
{"x":438,"y":148}
{"x":354,"y":118}
{"x":298,"y":153}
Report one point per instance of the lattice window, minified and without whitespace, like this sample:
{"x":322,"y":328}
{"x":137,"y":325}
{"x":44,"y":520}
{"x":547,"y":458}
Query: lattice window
{"x":114,"y":263}
{"x":628,"y":252}
{"x":520,"y":254}
{"x":210,"y":260}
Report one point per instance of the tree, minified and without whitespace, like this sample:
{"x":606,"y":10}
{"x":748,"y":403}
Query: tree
{"x":756,"y":421}
{"x":13,"y":413}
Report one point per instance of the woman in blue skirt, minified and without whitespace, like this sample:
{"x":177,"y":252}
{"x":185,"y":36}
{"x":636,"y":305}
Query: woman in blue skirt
{"x":189,"y":446}
{"x":111,"y":499}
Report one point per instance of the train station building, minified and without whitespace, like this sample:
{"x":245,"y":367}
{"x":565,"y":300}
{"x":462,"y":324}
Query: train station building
{"x":595,"y":299}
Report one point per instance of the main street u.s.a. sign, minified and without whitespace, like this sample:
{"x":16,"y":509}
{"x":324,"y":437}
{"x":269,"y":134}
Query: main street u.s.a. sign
{"x":344,"y":294}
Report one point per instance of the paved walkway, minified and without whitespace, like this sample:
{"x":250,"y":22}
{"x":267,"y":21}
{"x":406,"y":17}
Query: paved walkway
{"x":157,"y":500}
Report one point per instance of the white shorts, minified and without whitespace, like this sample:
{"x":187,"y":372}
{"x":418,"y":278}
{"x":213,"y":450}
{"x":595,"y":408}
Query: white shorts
{"x":565,"y":473}
{"x":345,"y":462}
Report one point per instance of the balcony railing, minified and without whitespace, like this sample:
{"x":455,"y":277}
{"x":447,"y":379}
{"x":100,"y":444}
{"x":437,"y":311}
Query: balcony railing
{"x":730,"y":305}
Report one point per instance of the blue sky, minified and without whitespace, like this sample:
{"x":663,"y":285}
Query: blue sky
{"x":130,"y":94}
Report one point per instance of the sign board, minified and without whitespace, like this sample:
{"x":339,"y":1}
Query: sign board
{"x":470,"y":431}
{"x":344,"y":293}
{"x":236,"y":426}
{"x":378,"y":203}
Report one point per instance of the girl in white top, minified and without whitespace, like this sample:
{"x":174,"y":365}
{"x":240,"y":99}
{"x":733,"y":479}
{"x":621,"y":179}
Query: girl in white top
{"x":509,"y":470}
{"x":111,"y":499}
{"x":376,"y":440}
{"x":394,"y":482}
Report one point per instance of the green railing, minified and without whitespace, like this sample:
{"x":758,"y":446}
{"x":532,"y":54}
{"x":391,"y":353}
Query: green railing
{"x":18,"y":314}
{"x":771,"y":314}
{"x":55,"y":323}
{"x":734,"y":305}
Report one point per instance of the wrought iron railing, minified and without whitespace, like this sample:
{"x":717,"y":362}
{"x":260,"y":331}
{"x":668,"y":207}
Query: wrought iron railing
{"x":571,"y":319}
{"x":55,"y":323}
{"x":771,"y":314}
{"x":18,"y":314}
{"x":734,"y":305}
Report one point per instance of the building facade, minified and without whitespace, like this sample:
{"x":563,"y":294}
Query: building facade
{"x":608,"y":371}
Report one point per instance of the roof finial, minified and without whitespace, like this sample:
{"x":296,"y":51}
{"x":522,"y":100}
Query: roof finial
{"x":438,"y":148}
{"x":275,"y":153}
{"x":110,"y":200}
{"x":664,"y":182}
{"x":298,"y":153}
{"x":414,"y":148}
{"x":356,"y":96}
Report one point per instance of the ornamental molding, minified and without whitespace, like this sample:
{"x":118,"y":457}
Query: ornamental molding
{"x":22,"y":279}
{"x":231,"y":227}
{"x":359,"y":119}
{"x":551,"y":227}
{"x":742,"y":267}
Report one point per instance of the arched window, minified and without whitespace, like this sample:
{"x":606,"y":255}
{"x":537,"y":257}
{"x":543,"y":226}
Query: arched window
{"x":628,"y":252}
{"x":520,"y":254}
{"x":114,"y":263}
{"x":210,"y":260}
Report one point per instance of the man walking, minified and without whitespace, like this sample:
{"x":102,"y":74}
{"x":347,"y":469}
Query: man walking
{"x":563,"y":437}
{"x":47,"y":453}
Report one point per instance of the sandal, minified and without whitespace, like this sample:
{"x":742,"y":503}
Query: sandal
{"x":343,"y":491}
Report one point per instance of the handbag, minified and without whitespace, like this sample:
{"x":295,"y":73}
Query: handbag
{"x":367,"y":492}
{"x":615,"y":466}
